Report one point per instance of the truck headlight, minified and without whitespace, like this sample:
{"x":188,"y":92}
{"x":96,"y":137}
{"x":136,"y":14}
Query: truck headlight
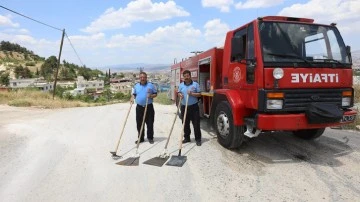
{"x":346,"y":101}
{"x":278,"y":73}
{"x":274,"y":104}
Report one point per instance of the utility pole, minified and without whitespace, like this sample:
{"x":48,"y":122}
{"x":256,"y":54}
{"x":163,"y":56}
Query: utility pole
{"x":141,"y":69}
{"x":58,"y":63}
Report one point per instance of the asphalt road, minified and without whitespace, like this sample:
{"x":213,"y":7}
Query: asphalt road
{"x":63,"y":155}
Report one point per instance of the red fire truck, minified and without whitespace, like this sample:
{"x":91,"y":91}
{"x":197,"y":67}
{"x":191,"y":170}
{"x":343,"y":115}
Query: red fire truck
{"x":274,"y":73}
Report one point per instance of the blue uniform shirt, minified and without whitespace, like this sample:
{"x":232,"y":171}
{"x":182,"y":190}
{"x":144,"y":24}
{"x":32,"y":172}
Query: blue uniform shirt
{"x":193,"y":87}
{"x":141,"y":91}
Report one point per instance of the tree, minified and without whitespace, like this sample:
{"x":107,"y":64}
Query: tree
{"x":27,"y":73}
{"x":22,"y":72}
{"x":107,"y":94}
{"x":7,"y":46}
{"x":4,"y":78}
{"x":85,"y":72}
{"x":19,"y":71}
{"x":48,"y":68}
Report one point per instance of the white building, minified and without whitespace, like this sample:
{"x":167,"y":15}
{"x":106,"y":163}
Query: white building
{"x":31,"y":83}
{"x":66,"y":84}
{"x":123,"y":87}
{"x":95,"y":84}
{"x":78,"y":91}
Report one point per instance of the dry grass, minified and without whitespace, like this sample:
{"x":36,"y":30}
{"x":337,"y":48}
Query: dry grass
{"x":30,"y":98}
{"x":162,"y":98}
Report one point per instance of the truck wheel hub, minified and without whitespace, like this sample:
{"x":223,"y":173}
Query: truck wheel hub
{"x":223,"y":124}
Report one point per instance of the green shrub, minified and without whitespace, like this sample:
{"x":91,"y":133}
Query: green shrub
{"x":30,"y":64}
{"x":162,"y":98}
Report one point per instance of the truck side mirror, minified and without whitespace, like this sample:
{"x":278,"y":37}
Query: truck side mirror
{"x":348,"y":52}
{"x":250,"y":67}
{"x":237,"y":50}
{"x":250,"y":70}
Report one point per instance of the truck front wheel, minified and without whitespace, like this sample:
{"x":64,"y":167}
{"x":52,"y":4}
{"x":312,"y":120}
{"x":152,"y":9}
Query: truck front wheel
{"x":229,"y":135}
{"x":309,"y":134}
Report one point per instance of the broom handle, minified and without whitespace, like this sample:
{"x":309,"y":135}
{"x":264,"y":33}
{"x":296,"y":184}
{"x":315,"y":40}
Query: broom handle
{"x":183,"y":127}
{"x":172,"y":127}
{"x":142,"y":124}
{"x":122,"y":130}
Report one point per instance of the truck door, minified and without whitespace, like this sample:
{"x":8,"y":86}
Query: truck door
{"x":242,"y":64}
{"x":242,"y":74}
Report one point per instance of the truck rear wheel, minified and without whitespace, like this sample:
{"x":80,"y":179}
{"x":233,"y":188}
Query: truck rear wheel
{"x":229,"y":135}
{"x":309,"y":134}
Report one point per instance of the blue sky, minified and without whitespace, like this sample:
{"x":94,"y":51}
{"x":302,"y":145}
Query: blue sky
{"x":111,"y":32}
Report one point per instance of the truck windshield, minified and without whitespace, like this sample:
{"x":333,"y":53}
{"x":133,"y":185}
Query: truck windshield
{"x":307,"y":45}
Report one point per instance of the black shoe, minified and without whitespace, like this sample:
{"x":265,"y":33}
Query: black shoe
{"x":140,"y":141}
{"x":186,"y":141}
{"x":151,"y":141}
{"x":198,"y":143}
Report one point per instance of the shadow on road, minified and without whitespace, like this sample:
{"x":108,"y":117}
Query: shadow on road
{"x":283,"y":147}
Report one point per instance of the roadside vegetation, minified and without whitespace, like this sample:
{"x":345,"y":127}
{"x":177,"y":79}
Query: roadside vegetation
{"x":162,"y":98}
{"x":34,"y":98}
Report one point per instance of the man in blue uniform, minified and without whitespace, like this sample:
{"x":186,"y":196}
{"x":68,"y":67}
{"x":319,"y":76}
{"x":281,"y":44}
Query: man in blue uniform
{"x":140,"y":92}
{"x":192,"y":89}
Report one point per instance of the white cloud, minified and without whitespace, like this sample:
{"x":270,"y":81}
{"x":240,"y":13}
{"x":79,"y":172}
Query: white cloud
{"x":139,"y":10}
{"x":215,"y":32}
{"x":180,"y":33}
{"x":6,"y":21}
{"x":258,"y":4}
{"x":345,"y":13}
{"x":161,"y":45}
{"x":15,"y":31}
{"x":223,"y":5}
{"x":81,"y":41}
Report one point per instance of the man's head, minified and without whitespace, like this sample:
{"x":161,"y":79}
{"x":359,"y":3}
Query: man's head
{"x":143,"y":78}
{"x":187,"y":76}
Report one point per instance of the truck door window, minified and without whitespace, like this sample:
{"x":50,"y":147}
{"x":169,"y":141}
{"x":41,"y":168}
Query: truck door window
{"x":238,"y":46}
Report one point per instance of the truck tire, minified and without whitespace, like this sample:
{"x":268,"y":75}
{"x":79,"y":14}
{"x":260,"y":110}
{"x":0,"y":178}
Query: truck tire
{"x":309,"y":134}
{"x":228,"y":135}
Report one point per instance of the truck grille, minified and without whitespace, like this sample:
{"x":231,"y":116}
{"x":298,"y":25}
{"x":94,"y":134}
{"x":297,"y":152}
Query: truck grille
{"x":298,"y":100}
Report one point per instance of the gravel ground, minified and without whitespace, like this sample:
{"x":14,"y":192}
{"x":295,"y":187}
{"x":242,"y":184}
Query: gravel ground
{"x":63,"y":155}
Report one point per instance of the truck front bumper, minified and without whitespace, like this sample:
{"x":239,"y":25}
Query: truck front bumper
{"x":296,"y":121}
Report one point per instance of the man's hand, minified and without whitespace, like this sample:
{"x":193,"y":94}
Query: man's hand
{"x":180,"y":95}
{"x":132,"y":100}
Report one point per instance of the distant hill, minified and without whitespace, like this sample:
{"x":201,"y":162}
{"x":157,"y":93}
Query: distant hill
{"x":136,"y":67}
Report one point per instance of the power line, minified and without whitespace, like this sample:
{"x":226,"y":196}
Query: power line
{"x":31,"y":18}
{"x":74,"y":50}
{"x":48,"y":26}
